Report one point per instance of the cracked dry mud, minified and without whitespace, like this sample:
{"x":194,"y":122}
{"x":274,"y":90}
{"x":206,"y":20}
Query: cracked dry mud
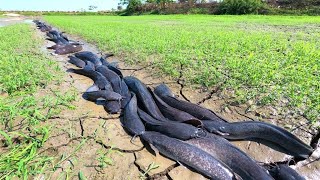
{"x":84,"y":136}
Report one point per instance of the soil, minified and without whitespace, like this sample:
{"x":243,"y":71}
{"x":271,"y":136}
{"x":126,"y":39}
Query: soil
{"x":83,"y":137}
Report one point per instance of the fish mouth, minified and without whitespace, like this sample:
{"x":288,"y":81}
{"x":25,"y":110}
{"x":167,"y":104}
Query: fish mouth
{"x":199,"y":133}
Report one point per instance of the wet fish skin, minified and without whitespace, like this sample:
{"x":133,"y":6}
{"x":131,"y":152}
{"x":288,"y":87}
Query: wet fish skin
{"x":189,"y":155}
{"x":261,"y":130}
{"x":143,"y":96}
{"x":112,"y":77}
{"x":67,"y":49}
{"x":89,"y":56}
{"x":97,"y":77}
{"x":105,"y":94}
{"x":284,"y":172}
{"x":112,"y":107}
{"x":131,"y":120}
{"x":90,"y":66}
{"x":125,"y":93}
{"x":173,"y":129}
{"x":197,"y":111}
{"x":76,"y":61}
{"x":233,"y":157}
{"x":173,"y":113}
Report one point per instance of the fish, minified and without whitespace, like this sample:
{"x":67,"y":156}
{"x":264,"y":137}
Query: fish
{"x":104,"y":94}
{"x":254,"y":130}
{"x":284,"y":172}
{"x":237,"y":160}
{"x":189,"y":155}
{"x":67,"y":49}
{"x":112,"y":77}
{"x":112,"y":107}
{"x":76,"y":61}
{"x":125,"y":93}
{"x":143,"y":96}
{"x":173,"y":129}
{"x":89,"y":56}
{"x":131,"y":120}
{"x":173,"y":113}
{"x":195,"y":110}
{"x":97,"y":77}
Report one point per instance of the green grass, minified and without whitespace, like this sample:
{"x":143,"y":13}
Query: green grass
{"x":267,"y":59}
{"x":24,"y":72}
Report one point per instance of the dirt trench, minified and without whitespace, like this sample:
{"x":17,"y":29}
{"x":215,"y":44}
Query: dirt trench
{"x":91,"y":142}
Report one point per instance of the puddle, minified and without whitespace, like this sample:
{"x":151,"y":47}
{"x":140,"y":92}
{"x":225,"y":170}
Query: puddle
{"x":6,"y":21}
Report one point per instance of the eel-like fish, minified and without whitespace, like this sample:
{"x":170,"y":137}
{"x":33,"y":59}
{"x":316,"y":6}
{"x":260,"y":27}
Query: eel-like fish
{"x":260,"y":130}
{"x":131,"y":120}
{"x":173,"y":129}
{"x":112,"y":77}
{"x":97,"y":77}
{"x":104,"y":94}
{"x":112,"y":107}
{"x":233,"y":157}
{"x":90,"y":66}
{"x":143,"y":96}
{"x":76,"y":61}
{"x":67,"y":49}
{"x":125,"y":93}
{"x":284,"y":172}
{"x":89,"y":56}
{"x":197,"y":111}
{"x":189,"y":155}
{"x":173,"y":113}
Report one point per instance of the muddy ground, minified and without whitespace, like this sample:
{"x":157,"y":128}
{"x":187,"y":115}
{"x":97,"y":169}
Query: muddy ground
{"x":83,"y":137}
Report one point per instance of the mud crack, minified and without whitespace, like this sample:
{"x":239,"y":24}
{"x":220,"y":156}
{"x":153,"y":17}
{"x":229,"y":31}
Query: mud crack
{"x":209,"y":96}
{"x":180,"y":82}
{"x":163,"y":173}
{"x":118,"y":149}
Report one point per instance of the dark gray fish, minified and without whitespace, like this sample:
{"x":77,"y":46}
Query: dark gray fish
{"x":173,"y":129}
{"x":189,"y":155}
{"x":89,"y":56}
{"x":163,"y":90}
{"x":104,"y":94}
{"x":76,"y":61}
{"x":97,"y":77}
{"x":125,"y":93}
{"x":92,"y":88}
{"x":172,"y":113}
{"x":197,"y":111}
{"x":234,"y":158}
{"x":53,"y":34}
{"x":58,"y":40}
{"x":90,"y":66}
{"x":116,"y":70}
{"x":112,"y":107}
{"x":131,"y":120}
{"x":284,"y":172}
{"x":104,"y":61}
{"x":260,"y":130}
{"x":112,"y":77}
{"x":143,"y":95}
{"x":67,"y":49}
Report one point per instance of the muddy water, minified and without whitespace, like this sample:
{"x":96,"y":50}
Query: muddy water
{"x":6,"y":21}
{"x":131,"y":161}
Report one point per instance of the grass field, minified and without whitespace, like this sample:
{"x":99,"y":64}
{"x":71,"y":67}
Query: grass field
{"x":265,"y":59}
{"x":24,"y":72}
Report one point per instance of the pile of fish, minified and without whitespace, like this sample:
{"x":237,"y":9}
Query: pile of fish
{"x":182,"y":131}
{"x":63,"y":44}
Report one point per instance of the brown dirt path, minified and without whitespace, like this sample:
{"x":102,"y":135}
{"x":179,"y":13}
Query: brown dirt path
{"x":82,"y":138}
